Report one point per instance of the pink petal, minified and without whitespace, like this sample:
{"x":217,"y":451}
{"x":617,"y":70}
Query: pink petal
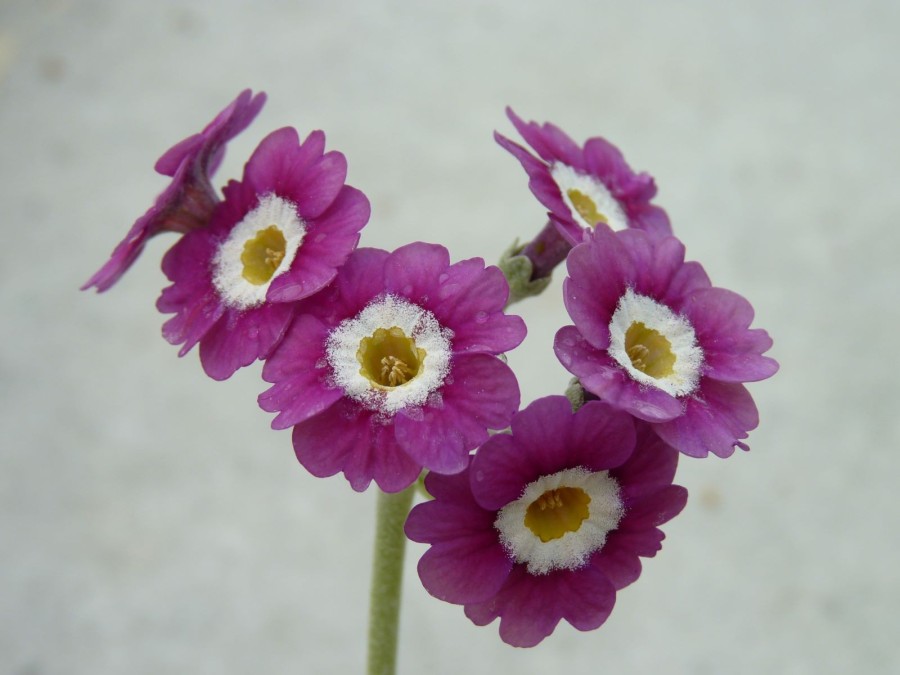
{"x":470,"y":301}
{"x":530,"y":607}
{"x":732,"y":352}
{"x":714,"y":420}
{"x":600,"y":437}
{"x":345,"y":438}
{"x":651,"y":466}
{"x":599,"y":274}
{"x":242,"y":337}
{"x":655,"y":509}
{"x":412,"y":271}
{"x":468,"y":569}
{"x":320,"y":184}
{"x":483,"y":394}
{"x":301,"y":387}
{"x":606,"y":379}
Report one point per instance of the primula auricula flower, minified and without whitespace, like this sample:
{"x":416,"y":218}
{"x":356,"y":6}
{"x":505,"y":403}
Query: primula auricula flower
{"x":584,"y":186}
{"x":548,"y":522}
{"x":394,"y":367}
{"x":188,"y":202}
{"x":654,"y":338}
{"x":279,"y":236}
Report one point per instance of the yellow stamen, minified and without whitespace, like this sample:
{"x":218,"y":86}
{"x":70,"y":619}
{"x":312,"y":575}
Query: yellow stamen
{"x":556,"y":512}
{"x":395,"y":371}
{"x":262,"y":255}
{"x":586,"y":207}
{"x":388,"y":358}
{"x":650,"y":351}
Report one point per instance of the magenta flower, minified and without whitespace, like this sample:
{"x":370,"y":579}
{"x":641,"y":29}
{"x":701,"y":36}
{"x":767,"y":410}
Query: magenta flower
{"x":279,"y":236}
{"x":188,"y":202}
{"x":654,"y":338}
{"x":582,"y":187}
{"x":394,"y":367}
{"x":548,"y":522}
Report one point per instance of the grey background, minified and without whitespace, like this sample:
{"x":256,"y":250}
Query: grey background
{"x":151,"y":522}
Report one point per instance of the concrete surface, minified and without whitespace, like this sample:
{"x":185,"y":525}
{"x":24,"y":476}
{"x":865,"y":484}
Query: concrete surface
{"x":150,"y":522}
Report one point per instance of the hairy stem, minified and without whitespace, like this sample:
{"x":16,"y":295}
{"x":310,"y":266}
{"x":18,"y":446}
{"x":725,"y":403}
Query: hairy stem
{"x":387,"y":580}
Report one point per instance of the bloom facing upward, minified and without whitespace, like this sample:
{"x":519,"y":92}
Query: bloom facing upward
{"x":279,"y":236}
{"x":654,"y":338}
{"x":548,"y":522}
{"x":583,"y":187}
{"x":188,"y":202}
{"x":393,"y":367}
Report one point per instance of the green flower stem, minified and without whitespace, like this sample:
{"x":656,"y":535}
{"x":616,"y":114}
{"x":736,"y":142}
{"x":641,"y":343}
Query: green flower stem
{"x":387,"y":580}
{"x":528,"y":268}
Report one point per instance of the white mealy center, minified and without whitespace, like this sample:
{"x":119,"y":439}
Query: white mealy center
{"x":260,"y":248}
{"x":392,"y":355}
{"x":654,"y":345}
{"x":589,"y":200}
{"x":560,"y":519}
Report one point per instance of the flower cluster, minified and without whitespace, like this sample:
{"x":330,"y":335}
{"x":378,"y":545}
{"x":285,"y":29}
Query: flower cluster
{"x":547,"y":523}
{"x":385,"y":364}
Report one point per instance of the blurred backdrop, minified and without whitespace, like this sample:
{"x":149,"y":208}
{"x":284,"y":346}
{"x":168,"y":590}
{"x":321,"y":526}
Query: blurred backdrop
{"x":150,"y":521}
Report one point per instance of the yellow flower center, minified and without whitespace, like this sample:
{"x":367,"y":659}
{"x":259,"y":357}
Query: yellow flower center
{"x":388,"y":358}
{"x":650,"y":352}
{"x":556,"y":512}
{"x":586,"y":207}
{"x":262,"y":255}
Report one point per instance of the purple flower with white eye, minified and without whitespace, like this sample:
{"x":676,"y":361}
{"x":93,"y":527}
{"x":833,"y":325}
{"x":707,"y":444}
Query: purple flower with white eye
{"x":548,"y":522}
{"x":280,"y":235}
{"x":188,"y":202}
{"x":584,"y":186}
{"x":394,"y":367}
{"x":653,"y":337}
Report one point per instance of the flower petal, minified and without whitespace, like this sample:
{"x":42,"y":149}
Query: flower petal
{"x":603,"y":377}
{"x":279,"y":161}
{"x":481,"y":393}
{"x":655,"y":261}
{"x":412,"y":271}
{"x":320,"y":184}
{"x":301,"y":387}
{"x":346,"y":438}
{"x":655,"y":509}
{"x":549,"y":141}
{"x":360,"y":281}
{"x":652,"y":465}
{"x":600,"y":437}
{"x":650,"y":218}
{"x":470,"y":301}
{"x":191,"y":296}
{"x":530,"y":607}
{"x":241,"y":337}
{"x":599,"y":274}
{"x":715,"y":420}
{"x":468,"y":569}
{"x":452,"y":512}
{"x":732,"y":352}
{"x":505,"y":464}
{"x":546,"y":438}
{"x":618,"y":560}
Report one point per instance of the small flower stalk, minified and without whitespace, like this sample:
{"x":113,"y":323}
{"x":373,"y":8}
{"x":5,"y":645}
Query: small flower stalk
{"x":389,"y":366}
